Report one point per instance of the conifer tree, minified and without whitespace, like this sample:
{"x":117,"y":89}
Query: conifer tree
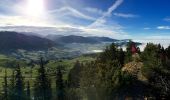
{"x":75,"y":75}
{"x":156,"y":71}
{"x":121,"y":57}
{"x":110,"y":54}
{"x":42,"y":86}
{"x":12,"y":87}
{"x":5,"y":87}
{"x":19,"y":85}
{"x":128,"y":52}
{"x":168,"y":52}
{"x":28,"y":92}
{"x":59,"y":84}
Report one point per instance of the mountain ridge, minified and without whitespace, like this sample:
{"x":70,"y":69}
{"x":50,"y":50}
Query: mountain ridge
{"x":11,"y":41}
{"x":79,"y":39}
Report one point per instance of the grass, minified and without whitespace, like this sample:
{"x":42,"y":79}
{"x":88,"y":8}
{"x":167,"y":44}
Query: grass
{"x":3,"y":57}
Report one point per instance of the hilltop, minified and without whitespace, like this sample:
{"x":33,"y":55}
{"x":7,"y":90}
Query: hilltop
{"x":11,"y":41}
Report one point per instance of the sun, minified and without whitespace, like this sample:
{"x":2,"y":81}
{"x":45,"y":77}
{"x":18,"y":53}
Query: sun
{"x":35,"y":8}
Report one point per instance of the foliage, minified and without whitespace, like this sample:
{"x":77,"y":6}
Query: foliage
{"x":100,"y":79}
{"x":42,"y":85}
{"x":60,"y":93}
{"x":92,"y":78}
{"x":75,"y":75}
{"x":19,"y":85}
{"x":5,"y":87}
{"x":156,"y":70}
{"x":28,"y":91}
{"x":12,"y":86}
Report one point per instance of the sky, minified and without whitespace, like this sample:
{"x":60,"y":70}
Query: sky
{"x":141,"y":20}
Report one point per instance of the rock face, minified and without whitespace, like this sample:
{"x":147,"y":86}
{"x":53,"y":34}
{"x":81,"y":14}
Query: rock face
{"x":134,"y":68}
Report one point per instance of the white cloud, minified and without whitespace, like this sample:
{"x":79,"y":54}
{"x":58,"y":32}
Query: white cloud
{"x":163,"y":27}
{"x":65,"y":11}
{"x":158,"y":37}
{"x":147,"y":28}
{"x":167,"y":19}
{"x":164,"y":40}
{"x":111,"y":29}
{"x":66,"y":30}
{"x":23,"y":20}
{"x":123,"y":15}
{"x":108,"y":13}
{"x":94,"y":10}
{"x":55,"y":24}
{"x":113,"y":7}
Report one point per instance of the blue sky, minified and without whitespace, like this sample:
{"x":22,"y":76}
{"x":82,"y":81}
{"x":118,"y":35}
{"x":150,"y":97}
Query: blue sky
{"x":122,"y":19}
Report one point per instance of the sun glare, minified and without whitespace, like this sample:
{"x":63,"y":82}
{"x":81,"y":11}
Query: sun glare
{"x":35,"y":8}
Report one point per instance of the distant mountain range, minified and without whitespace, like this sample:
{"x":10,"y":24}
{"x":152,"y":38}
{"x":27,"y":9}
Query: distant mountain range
{"x":11,"y":41}
{"x":61,"y":39}
{"x":26,"y":46}
{"x":79,"y":39}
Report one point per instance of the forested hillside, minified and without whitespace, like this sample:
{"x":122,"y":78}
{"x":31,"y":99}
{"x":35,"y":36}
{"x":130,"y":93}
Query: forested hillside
{"x":79,"y":39}
{"x":111,"y":75}
{"x":12,"y":41}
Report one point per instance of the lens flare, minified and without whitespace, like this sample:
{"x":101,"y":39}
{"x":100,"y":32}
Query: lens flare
{"x":35,"y":8}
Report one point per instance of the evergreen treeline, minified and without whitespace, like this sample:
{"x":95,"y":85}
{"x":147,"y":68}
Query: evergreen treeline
{"x":114,"y":75}
{"x":105,"y":78}
{"x":17,"y":89}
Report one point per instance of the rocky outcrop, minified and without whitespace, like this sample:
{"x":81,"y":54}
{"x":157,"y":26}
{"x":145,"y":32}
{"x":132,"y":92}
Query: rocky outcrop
{"x":134,"y":68}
